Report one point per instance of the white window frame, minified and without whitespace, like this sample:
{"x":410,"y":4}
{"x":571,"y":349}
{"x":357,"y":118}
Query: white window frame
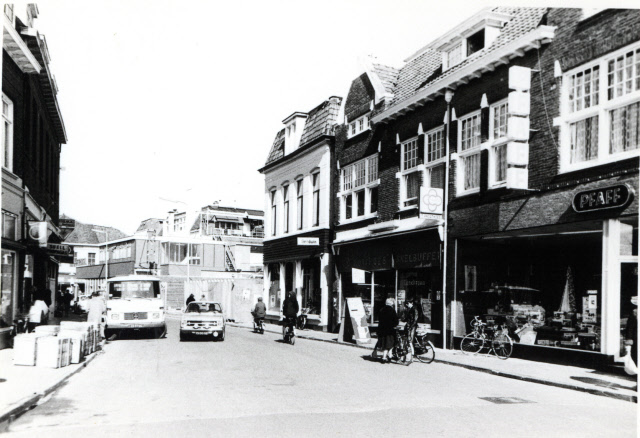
{"x":300,"y":204}
{"x":359,"y":125}
{"x":430,"y":164}
{"x":274,"y":213}
{"x":7,"y":134}
{"x":602,"y":110}
{"x":9,"y":217}
{"x":316,"y":200}
{"x":495,"y":143}
{"x":286,"y":208}
{"x":463,"y":155}
{"x":404,"y":173}
{"x":369,"y":181}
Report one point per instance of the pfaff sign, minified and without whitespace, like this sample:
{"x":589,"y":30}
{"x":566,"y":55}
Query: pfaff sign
{"x":602,"y":199}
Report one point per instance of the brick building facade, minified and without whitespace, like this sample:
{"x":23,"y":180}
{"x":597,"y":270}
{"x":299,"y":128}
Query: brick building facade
{"x":32,"y":134}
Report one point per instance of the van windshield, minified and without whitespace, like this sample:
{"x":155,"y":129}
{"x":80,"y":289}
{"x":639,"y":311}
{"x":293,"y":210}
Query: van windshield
{"x":134,"y":289}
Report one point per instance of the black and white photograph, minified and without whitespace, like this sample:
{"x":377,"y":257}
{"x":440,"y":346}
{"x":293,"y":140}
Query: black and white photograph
{"x":340,"y":218}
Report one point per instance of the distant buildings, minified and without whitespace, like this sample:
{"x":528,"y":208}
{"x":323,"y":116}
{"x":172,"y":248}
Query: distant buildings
{"x":32,"y":135}
{"x":186,"y":249}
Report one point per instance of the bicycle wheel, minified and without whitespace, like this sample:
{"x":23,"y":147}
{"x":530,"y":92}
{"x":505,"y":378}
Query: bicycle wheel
{"x":502,"y":345}
{"x":424,"y":350}
{"x":472,"y":343}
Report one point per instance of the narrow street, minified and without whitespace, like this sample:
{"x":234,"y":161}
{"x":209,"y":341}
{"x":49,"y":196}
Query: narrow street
{"x":255,"y":385}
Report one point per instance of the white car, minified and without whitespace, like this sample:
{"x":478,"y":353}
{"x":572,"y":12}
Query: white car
{"x":203,"y":318}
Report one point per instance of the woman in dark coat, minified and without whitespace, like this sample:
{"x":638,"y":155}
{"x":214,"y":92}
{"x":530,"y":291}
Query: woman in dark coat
{"x":387,"y":320}
{"x":190,"y":299}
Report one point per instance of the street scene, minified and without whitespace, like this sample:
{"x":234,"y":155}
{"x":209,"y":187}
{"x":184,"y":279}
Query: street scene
{"x":338,"y":219}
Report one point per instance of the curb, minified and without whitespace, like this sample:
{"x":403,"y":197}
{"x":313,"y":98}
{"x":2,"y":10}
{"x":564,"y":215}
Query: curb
{"x":628,"y":398}
{"x":29,"y":402}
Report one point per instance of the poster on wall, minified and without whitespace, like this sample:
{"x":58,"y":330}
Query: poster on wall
{"x":425,"y":303}
{"x":469,"y":277}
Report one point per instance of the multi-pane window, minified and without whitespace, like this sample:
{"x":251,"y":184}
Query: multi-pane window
{"x":500,"y":163}
{"x":359,"y":180}
{"x":623,"y":74}
{"x":436,"y":176}
{"x":584,"y":89}
{"x":92,"y":258}
{"x":602,"y":106}
{"x":359,"y":125}
{"x":274,"y":211}
{"x":316,"y":198}
{"x":625,"y":128}
{"x":470,"y":132}
{"x":179,"y":223}
{"x":285,"y":197}
{"x":299,"y":189}
{"x":410,"y":154}
{"x":195,"y":254}
{"x":469,"y":138}
{"x":499,"y":119}
{"x":7,"y":132}
{"x":435,"y":145}
{"x":8,"y":225}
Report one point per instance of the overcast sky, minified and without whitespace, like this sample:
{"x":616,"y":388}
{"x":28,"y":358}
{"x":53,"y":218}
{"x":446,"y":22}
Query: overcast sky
{"x":181,"y":100}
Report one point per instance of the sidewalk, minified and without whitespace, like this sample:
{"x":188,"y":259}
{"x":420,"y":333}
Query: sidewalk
{"x":568,"y":377}
{"x":22,"y":387}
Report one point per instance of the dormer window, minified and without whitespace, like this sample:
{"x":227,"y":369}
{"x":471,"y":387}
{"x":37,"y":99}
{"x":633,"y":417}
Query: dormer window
{"x":359,"y":125}
{"x":454,"y":55}
{"x":475,"y":42}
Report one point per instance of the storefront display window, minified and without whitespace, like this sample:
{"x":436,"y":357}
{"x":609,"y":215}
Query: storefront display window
{"x":546,"y":291}
{"x":6,"y":296}
{"x":311,"y":291}
{"x":274,"y":287}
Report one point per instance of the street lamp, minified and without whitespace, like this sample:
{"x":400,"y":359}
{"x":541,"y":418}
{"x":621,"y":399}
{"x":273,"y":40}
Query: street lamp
{"x":448,"y":96}
{"x":106,"y":256}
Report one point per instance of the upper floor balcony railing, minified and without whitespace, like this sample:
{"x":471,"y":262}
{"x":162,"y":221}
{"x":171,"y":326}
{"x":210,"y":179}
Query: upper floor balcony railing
{"x":256,"y":233}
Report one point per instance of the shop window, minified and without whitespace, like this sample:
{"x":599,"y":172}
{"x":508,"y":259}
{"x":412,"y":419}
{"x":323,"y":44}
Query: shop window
{"x":8,"y":283}
{"x":600,"y":111}
{"x":311,"y":291}
{"x":274,"y":287}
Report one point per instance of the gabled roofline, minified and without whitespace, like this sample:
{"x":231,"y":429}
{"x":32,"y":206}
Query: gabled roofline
{"x":378,"y":87}
{"x":307,"y":147}
{"x":516,"y":48}
{"x":294,"y":115}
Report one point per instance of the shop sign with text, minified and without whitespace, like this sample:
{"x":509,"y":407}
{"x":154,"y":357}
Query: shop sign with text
{"x":308,"y":241}
{"x":602,"y":199}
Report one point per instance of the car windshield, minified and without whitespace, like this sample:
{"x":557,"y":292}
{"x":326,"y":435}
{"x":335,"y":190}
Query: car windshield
{"x":204,"y":308}
{"x":134,"y":289}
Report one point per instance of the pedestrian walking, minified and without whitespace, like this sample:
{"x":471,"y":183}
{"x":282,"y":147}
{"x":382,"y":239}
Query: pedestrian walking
{"x":68,"y":298}
{"x":38,"y":313}
{"x":387,"y":321}
{"x":190,"y":299}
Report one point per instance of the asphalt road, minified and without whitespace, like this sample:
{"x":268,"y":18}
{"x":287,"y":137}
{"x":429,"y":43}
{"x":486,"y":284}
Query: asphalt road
{"x":255,"y":385}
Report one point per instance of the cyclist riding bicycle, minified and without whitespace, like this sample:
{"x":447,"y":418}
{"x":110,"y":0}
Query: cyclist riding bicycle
{"x":259,"y":311}
{"x":290,"y":310}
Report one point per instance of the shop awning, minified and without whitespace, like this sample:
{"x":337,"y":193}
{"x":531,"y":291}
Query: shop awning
{"x":405,"y":251}
{"x":231,"y":219}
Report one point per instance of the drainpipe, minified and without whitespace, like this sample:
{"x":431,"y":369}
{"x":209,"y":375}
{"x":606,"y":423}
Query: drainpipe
{"x":448,"y":96}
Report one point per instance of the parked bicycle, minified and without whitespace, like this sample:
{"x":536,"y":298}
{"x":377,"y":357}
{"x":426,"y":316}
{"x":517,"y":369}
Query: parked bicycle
{"x":401,"y":351}
{"x":495,"y":338}
{"x":423,"y":349}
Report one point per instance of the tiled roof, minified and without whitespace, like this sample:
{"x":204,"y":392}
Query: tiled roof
{"x":277,"y":150}
{"x":151,"y":224}
{"x":84,"y":233}
{"x":320,"y":121}
{"x":388,"y":76}
{"x":426,"y":69}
